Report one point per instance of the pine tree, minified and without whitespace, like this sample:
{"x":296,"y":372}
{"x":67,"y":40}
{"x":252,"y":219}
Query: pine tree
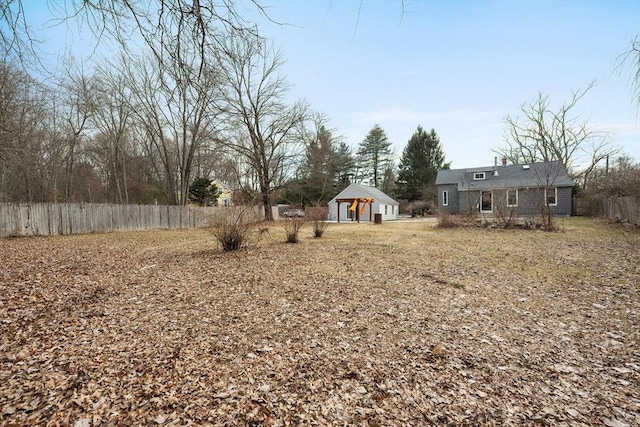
{"x":203,"y":192}
{"x":344,"y":164}
{"x":422,"y":158}
{"x":325,"y":170}
{"x":318,"y":168}
{"x":375,"y":155}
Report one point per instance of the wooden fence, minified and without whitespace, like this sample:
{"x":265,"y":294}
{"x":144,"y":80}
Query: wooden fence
{"x":623,"y":208}
{"x":47,"y":219}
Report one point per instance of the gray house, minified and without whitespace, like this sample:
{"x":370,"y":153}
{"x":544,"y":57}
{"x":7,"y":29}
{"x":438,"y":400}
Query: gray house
{"x":359,"y":202}
{"x":521,"y":190}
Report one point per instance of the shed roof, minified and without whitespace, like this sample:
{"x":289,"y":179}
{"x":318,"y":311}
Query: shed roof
{"x":510,"y":176}
{"x":358,"y":190}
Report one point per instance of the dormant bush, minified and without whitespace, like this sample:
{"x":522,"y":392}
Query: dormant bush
{"x":292,"y":227}
{"x":318,"y":217}
{"x":232,"y":227}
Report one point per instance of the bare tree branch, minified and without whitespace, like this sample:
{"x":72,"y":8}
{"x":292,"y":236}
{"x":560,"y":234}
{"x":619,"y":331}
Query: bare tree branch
{"x":546,"y":135}
{"x":629,"y":61}
{"x":264,"y":129}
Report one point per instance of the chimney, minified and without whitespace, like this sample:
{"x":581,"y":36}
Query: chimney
{"x":495,"y":166}
{"x":504,"y":161}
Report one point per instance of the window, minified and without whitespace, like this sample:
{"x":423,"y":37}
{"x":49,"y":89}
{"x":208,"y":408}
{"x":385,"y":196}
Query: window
{"x":393,"y":208}
{"x":445,"y":198}
{"x":486,"y":201}
{"x":512,"y":198}
{"x":385,"y":209}
{"x":551,"y":196}
{"x":478,"y":176}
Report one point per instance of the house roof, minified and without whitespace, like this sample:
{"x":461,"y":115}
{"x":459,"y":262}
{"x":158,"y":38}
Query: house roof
{"x":221,"y":185}
{"x":358,"y":190}
{"x":510,"y":176}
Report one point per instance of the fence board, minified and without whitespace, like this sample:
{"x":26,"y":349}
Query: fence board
{"x":622,"y":208}
{"x":46,"y":219}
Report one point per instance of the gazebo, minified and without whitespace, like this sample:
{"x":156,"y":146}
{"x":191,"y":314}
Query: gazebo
{"x":359,"y":202}
{"x":358,"y":206}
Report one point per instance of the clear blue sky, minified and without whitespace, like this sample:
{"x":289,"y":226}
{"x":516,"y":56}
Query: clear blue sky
{"x":459,"y":67}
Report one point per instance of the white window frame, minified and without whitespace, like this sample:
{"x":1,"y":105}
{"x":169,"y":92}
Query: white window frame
{"x":445,"y":197}
{"x":555,"y":197}
{"x":479,"y":176}
{"x":385,"y":209}
{"x":511,"y":192}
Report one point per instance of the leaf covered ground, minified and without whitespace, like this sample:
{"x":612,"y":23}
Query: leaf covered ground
{"x":374,"y":325}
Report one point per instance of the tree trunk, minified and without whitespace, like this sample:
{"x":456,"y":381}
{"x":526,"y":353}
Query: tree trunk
{"x":266,"y":202}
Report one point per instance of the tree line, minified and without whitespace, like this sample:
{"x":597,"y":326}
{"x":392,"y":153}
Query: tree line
{"x":202,"y":96}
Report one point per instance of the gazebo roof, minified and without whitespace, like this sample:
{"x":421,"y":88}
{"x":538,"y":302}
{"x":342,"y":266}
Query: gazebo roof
{"x":357,"y":191}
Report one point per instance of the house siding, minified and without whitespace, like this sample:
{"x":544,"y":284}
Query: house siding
{"x":453,"y":206}
{"x":465,"y":188}
{"x":530,"y":202}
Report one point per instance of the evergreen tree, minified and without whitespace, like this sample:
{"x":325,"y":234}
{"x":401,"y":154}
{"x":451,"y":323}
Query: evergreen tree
{"x":344,"y":164}
{"x":325,"y":169}
{"x":203,"y":192}
{"x":422,"y":158}
{"x":318,"y":168}
{"x":375,"y":155}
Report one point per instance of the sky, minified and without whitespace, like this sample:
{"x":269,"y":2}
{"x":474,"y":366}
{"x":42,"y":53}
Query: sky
{"x":459,"y":67}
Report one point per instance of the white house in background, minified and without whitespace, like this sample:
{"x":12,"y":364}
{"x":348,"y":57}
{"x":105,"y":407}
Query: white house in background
{"x":359,"y":202}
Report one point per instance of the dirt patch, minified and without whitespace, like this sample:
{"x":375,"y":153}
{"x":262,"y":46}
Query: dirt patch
{"x":392,"y":324}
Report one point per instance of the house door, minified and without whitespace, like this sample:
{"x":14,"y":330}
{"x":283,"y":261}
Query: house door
{"x":486,"y":201}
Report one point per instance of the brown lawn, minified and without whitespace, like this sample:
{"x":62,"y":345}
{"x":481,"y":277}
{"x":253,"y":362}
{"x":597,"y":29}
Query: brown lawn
{"x":393,"y":324}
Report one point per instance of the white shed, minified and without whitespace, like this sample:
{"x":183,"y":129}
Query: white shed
{"x":359,"y":202}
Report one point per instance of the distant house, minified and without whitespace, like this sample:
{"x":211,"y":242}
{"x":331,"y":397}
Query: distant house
{"x":523,"y":190}
{"x":359,"y":202}
{"x":224,"y":197}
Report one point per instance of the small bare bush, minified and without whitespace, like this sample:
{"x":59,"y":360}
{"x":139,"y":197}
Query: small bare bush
{"x":505,"y":217}
{"x":292,"y":227}
{"x":232,"y":227}
{"x":446,"y":220}
{"x":318,"y":217}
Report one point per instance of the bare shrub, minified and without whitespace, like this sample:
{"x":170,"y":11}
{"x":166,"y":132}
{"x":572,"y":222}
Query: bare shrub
{"x":418,"y":208}
{"x":318,"y":217}
{"x":232,"y":227}
{"x":292,"y":227}
{"x":506,"y":217}
{"x":446,"y":220}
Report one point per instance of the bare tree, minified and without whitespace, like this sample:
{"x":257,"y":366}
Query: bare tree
{"x":75,"y":111}
{"x":112,"y":116}
{"x":16,"y":38}
{"x":176,"y":108}
{"x":545,"y":135}
{"x":25,"y":155}
{"x":160,"y":24}
{"x":620,"y":180}
{"x":630,"y":60}
{"x":265,"y":129}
